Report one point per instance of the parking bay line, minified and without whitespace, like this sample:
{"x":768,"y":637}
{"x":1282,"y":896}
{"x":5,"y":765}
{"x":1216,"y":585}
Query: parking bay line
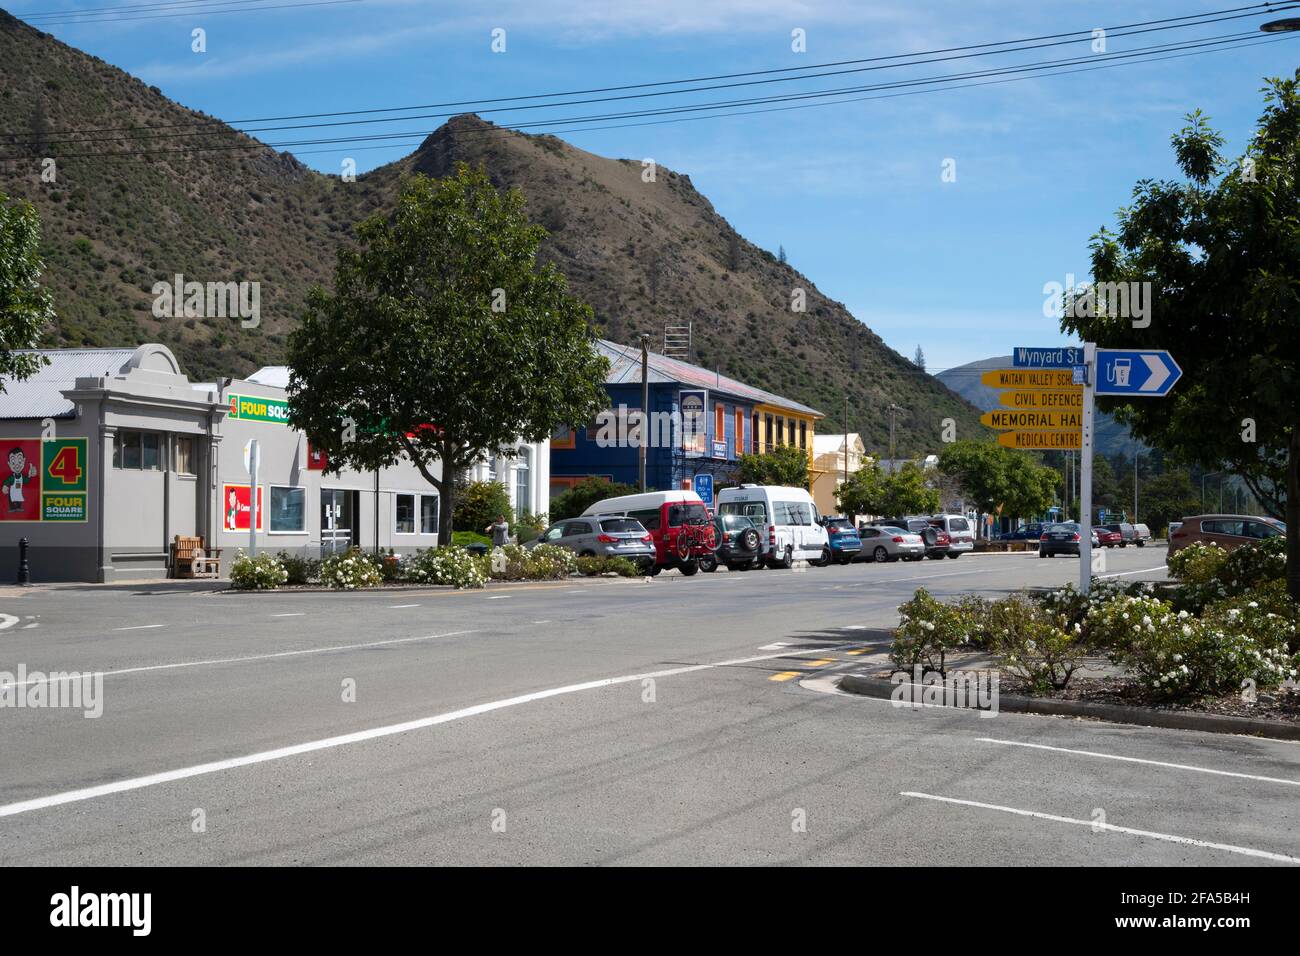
{"x":1098,"y":825}
{"x":1142,"y":760}
{"x":374,"y":733}
{"x":139,"y":627}
{"x":249,"y":658}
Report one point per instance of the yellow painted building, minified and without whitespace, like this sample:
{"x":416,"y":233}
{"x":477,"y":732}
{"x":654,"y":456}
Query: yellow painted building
{"x":776,"y":426}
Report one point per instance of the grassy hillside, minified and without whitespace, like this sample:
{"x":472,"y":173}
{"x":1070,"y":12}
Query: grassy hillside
{"x":644,"y":255}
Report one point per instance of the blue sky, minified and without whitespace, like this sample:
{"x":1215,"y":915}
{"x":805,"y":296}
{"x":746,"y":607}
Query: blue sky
{"x":853,"y":191}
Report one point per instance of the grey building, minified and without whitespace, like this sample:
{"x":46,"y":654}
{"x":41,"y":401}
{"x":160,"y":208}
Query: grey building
{"x":106,"y":455}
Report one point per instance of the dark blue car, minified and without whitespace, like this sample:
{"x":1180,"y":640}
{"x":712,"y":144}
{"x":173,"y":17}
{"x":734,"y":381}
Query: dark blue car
{"x":845,"y":544}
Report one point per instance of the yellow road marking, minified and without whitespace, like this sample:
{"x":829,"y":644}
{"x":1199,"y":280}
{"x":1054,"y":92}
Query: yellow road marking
{"x":860,"y":650}
{"x":785,"y":675}
{"x":821,"y":663}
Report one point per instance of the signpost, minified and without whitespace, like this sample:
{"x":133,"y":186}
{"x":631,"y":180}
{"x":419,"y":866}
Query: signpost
{"x":1041,"y":398}
{"x":1028,"y":378}
{"x":703,"y":485}
{"x":1033,"y":418}
{"x":1041,"y":441}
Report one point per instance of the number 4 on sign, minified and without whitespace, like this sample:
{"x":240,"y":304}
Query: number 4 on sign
{"x":65,"y":466}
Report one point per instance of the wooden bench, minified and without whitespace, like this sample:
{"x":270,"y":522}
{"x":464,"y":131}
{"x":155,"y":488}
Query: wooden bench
{"x":190,"y":559}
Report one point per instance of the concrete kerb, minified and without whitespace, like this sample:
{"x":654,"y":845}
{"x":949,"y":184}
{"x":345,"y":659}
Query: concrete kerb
{"x":883,"y":689}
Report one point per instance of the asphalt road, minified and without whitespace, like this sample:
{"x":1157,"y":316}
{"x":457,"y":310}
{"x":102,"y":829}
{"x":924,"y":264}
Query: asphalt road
{"x":682,"y":721}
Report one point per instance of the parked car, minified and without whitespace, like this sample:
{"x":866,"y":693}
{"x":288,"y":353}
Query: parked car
{"x":889,"y":543}
{"x":1141,"y":535}
{"x":1127,"y":534}
{"x":1060,"y":538}
{"x":960,"y":530}
{"x":937,"y":542}
{"x":1172,"y":529}
{"x":1227,"y":531}
{"x":1029,"y":532}
{"x":739,"y":544}
{"x":607,"y":536}
{"x":666,"y":515}
{"x":843,"y":538}
{"x":790,"y":518}
{"x":1107,"y":538}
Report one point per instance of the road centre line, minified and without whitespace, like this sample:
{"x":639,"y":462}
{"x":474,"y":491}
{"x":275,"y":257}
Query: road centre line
{"x":291,"y":614}
{"x":1098,"y":825}
{"x":374,"y":733}
{"x":249,"y":658}
{"x":397,"y":606}
{"x":1153,"y":763}
{"x":139,"y":627}
{"x":1120,"y":574}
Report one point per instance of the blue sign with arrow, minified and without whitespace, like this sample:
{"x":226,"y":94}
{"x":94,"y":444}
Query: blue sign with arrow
{"x":1136,"y":373}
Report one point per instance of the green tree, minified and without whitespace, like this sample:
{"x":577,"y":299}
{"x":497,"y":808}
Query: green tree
{"x":584,"y":494}
{"x":25,"y":306}
{"x":786,"y":465}
{"x":1221,"y":249}
{"x":444,"y":340}
{"x":869,"y":491}
{"x":864,"y":492}
{"x":999,"y":480}
{"x":1106,"y":489}
{"x":478,"y":503}
{"x":1167,"y":497}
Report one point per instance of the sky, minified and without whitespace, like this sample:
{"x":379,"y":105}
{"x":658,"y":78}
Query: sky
{"x":937,"y":218}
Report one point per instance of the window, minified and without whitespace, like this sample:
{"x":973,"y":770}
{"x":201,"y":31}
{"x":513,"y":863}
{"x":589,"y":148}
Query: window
{"x":523,"y":482}
{"x":719,"y":422}
{"x":803,"y":435}
{"x":740,"y":433}
{"x":137,"y":450}
{"x":682,"y":514}
{"x":428,"y":514}
{"x":288,"y":509}
{"x":404,"y":514}
{"x":649,"y":518}
{"x":184,"y":455}
{"x":574,"y":528}
{"x":621,"y":526}
{"x":753,"y":436}
{"x":770,"y":423}
{"x":756,"y":511}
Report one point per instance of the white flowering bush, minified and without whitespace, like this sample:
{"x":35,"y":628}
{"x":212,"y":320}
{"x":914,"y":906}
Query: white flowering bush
{"x":350,"y":571}
{"x":1208,"y":574}
{"x":547,"y":561}
{"x":927,"y":630}
{"x":1037,"y":646}
{"x":265,"y":572}
{"x":451,"y":565}
{"x":1073,"y":606}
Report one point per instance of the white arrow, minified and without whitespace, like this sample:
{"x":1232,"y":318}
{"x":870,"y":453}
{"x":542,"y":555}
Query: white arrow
{"x":1159,"y":372}
{"x":7,"y":620}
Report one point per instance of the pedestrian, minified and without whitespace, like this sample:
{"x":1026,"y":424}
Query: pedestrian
{"x":500,"y":532}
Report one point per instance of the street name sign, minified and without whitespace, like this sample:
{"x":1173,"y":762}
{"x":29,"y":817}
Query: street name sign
{"x":1042,"y":398}
{"x":1061,"y":357}
{"x":1041,"y":441}
{"x":1058,"y":378}
{"x":1031,"y":419}
{"x":1136,"y":373}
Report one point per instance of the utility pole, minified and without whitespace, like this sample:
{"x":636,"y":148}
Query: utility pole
{"x":645,"y":406}
{"x":1135,"y":481}
{"x":892,"y":409}
{"x":1085,"y":468}
{"x":846,"y":439}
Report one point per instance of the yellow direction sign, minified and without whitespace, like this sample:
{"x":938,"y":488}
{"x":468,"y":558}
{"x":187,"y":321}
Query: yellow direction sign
{"x":1033,"y":418}
{"x":1043,"y":441}
{"x":1030,"y":378}
{"x":1042,"y":398}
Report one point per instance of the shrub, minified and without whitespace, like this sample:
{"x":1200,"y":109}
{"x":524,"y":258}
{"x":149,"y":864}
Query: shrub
{"x":927,"y":630}
{"x":461,"y":539}
{"x":478,"y":504}
{"x":595,"y":564}
{"x":1033,"y":645}
{"x":261,"y":573}
{"x":549,"y":561}
{"x":448,"y":565}
{"x":591,"y":565}
{"x":1197,"y":563}
{"x":623,"y":567}
{"x":529,"y":526}
{"x":974,"y":611}
{"x":1209,"y":574}
{"x":350,"y":571}
{"x":299,"y":569}
{"x":1073,"y":606}
{"x":586,"y":493}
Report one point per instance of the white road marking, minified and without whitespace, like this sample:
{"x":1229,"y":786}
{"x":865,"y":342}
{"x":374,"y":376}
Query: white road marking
{"x":7,"y":620}
{"x":541,"y":622}
{"x":259,"y":657}
{"x":375,"y":733}
{"x":1109,"y":827}
{"x":139,"y":627}
{"x":775,"y":646}
{"x":499,"y":597}
{"x":1153,"y":763}
{"x":854,"y":627}
{"x":1120,"y":574}
{"x":396,"y":606}
{"x":293,"y":614}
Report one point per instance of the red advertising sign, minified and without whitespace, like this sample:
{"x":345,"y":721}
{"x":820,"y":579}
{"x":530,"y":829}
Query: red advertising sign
{"x":317,"y":459}
{"x":20,"y":480}
{"x":236,"y":506}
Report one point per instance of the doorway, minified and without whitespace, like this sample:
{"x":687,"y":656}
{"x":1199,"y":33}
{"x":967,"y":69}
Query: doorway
{"x":338,"y":525}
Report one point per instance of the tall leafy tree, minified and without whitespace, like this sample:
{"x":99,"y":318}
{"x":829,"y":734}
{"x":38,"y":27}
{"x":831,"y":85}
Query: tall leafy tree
{"x":786,"y":465}
{"x":870,"y":491}
{"x":444,"y":340}
{"x":999,"y":480}
{"x":25,"y":305}
{"x":1221,"y":249}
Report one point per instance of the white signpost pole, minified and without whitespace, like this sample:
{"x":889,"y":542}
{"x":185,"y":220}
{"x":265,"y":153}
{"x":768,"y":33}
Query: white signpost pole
{"x":252,"y":498}
{"x":1085,"y":468}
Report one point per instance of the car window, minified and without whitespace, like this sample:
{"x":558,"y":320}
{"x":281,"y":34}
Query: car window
{"x":958,"y":524}
{"x":649,"y":519}
{"x":574,"y":528}
{"x":838,"y":524}
{"x":755,"y":510}
{"x":1224,"y":526}
{"x":681,"y":514}
{"x":1258,"y":529}
{"x":620,"y":525}
{"x":553,"y":532}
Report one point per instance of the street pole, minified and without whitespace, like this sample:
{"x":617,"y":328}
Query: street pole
{"x":253,"y":456}
{"x":645,"y":406}
{"x":846,"y":439}
{"x":1135,"y":481}
{"x":892,"y":409}
{"x":1085,"y":469}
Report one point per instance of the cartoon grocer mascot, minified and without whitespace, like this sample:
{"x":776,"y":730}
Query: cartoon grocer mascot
{"x":232,"y":513}
{"x":13,"y":483}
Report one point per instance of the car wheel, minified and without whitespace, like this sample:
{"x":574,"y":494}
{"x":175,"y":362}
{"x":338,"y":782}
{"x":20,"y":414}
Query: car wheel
{"x":688,"y":568}
{"x":1123,"y":544}
{"x":1140,"y":543}
{"x":935,"y":557}
{"x":708,"y":563}
{"x":825,"y":559}
{"x":880,"y":554}
{"x":954,"y":555}
{"x":786,"y":561}
{"x":748,"y":541}
{"x":1042,"y":553}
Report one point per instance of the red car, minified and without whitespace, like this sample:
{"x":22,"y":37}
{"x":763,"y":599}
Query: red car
{"x":1108,"y":539}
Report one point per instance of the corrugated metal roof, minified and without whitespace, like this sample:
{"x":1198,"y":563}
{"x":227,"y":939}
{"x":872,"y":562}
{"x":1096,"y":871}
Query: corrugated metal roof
{"x":38,"y":396}
{"x":625,"y":369}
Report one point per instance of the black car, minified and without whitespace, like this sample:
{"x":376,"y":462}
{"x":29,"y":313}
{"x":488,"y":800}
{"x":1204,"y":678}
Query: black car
{"x":738,"y":544}
{"x":1060,"y":538}
{"x":937,"y":542}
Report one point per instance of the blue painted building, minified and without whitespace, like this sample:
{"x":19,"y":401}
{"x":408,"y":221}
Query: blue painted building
{"x":700,"y":423}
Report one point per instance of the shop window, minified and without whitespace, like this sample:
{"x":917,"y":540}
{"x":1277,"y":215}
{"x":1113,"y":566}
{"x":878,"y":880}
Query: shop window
{"x":288,"y":510}
{"x":803,"y":435}
{"x":770,"y":423}
{"x":138,"y":451}
{"x":753,"y":436}
{"x":185,"y":455}
{"x":404,"y":514}
{"x":428,"y":514}
{"x":523,"y":482}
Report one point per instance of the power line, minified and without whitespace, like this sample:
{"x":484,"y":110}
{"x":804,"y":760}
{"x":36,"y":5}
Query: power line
{"x":1142,"y":52}
{"x":147,"y":11}
{"x":781,"y":74}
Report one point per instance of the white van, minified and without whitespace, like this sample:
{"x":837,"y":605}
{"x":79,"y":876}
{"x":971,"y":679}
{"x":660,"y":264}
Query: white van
{"x":787,"y":521}
{"x":961,"y":533}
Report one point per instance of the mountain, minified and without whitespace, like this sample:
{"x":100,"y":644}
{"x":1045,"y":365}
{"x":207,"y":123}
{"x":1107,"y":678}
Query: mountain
{"x":1110,"y":438}
{"x":644,"y":255}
